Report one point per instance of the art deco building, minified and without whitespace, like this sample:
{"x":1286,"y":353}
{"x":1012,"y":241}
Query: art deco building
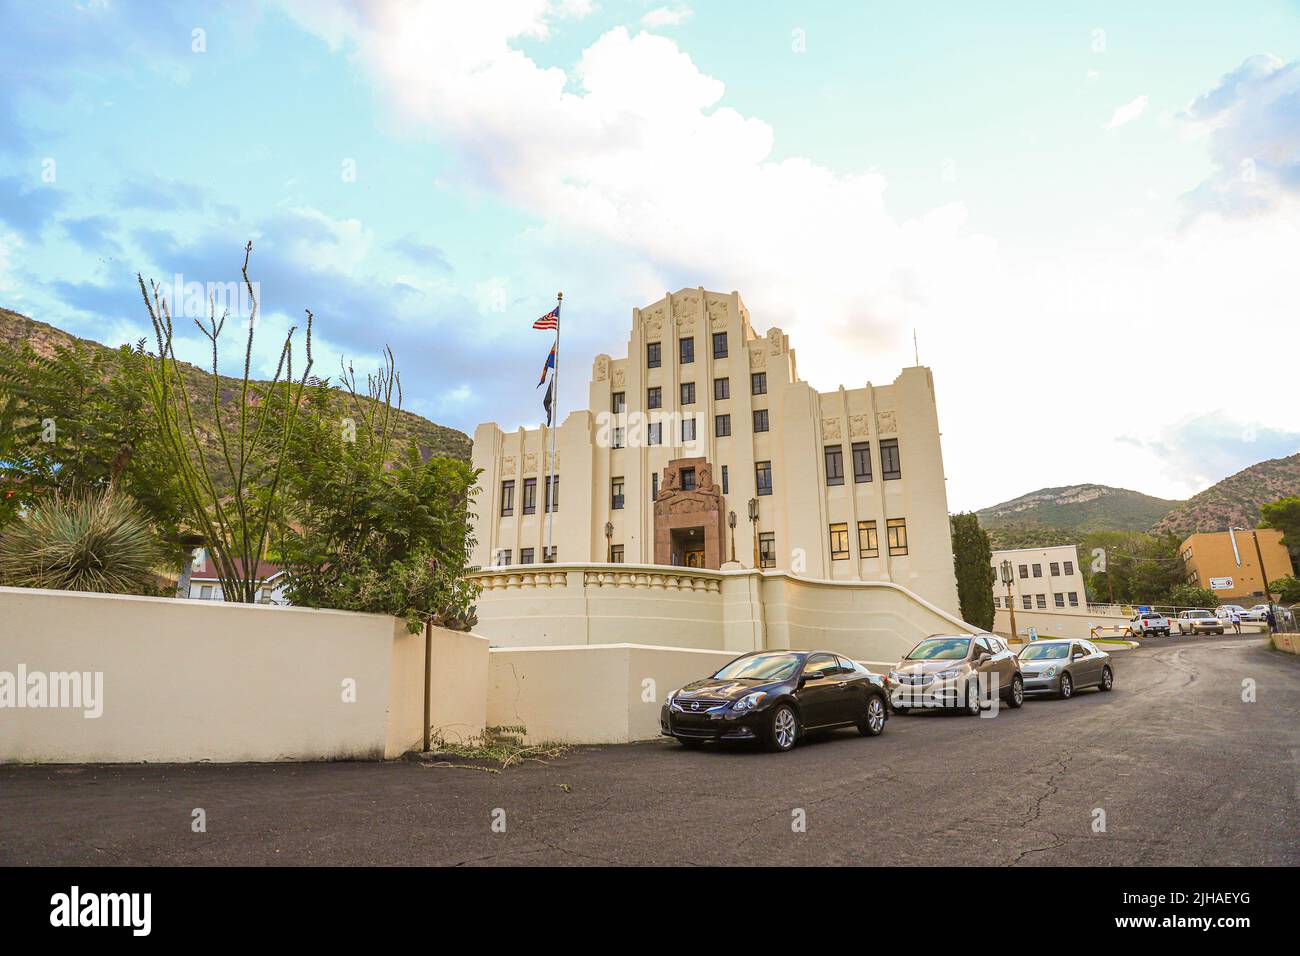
{"x":703,"y":447}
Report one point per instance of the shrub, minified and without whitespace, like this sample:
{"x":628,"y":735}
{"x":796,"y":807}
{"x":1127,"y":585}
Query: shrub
{"x":91,"y":541}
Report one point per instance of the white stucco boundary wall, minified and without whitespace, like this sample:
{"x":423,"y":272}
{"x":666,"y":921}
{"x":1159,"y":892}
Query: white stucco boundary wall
{"x":590,"y":694}
{"x":733,"y":611}
{"x":191,"y":680}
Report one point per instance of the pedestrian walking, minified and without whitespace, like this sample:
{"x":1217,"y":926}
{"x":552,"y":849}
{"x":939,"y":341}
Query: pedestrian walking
{"x":1272,"y":620}
{"x":1236,"y":622}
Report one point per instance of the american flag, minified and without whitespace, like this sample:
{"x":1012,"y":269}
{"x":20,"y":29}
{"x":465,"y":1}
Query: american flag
{"x":551,"y":320}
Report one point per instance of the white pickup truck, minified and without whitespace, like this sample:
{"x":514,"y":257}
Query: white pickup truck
{"x":1148,"y":623}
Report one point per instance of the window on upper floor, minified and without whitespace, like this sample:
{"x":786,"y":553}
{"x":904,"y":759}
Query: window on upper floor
{"x":686,"y":350}
{"x":719,"y":345}
{"x":861,"y":461}
{"x":760,"y":419}
{"x":891,"y":466}
{"x":721,"y":389}
{"x":834,"y":456}
{"x":653,"y":355}
{"x":619,"y":402}
{"x":758,"y":383}
{"x":654,"y":397}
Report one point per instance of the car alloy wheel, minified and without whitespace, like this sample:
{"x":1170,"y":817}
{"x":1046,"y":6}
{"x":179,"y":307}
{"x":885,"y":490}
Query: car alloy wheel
{"x":1017,"y":691}
{"x":1107,"y":679}
{"x":875,"y":720}
{"x":785,"y":728}
{"x":972,"y":698}
{"x":1067,"y":687}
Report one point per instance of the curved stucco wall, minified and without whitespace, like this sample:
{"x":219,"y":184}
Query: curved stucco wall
{"x":735,"y":611}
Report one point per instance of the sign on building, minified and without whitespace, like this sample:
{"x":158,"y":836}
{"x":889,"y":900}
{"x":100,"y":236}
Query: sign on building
{"x":1220,"y":584}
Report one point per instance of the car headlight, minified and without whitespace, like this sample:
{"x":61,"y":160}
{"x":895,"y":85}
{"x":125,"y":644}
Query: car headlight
{"x":1050,"y":672}
{"x":671,"y":694}
{"x":749,"y":701}
{"x":947,"y":675}
{"x":896,"y":676}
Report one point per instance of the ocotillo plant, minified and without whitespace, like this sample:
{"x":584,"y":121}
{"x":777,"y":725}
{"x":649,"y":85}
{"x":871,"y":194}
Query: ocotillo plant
{"x":235,"y":514}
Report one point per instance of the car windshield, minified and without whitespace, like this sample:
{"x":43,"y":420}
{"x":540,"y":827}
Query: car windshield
{"x":761,"y":667}
{"x":940,"y":649}
{"x":1044,"y":652}
{"x":1199,"y":614}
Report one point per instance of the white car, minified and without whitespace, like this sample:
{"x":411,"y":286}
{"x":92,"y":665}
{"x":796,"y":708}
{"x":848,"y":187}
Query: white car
{"x":1225,"y":611}
{"x":1257,"y":613}
{"x":1199,"y":622}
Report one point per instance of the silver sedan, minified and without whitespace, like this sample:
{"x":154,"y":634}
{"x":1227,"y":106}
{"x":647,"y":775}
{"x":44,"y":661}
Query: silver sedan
{"x":1062,"y":667}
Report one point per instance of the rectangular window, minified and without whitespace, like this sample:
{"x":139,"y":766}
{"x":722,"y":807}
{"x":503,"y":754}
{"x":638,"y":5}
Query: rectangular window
{"x":890,"y":466}
{"x":721,"y":389}
{"x":1038,"y":570}
{"x":688,"y":479}
{"x":1042,"y":600}
{"x":719,"y":344}
{"x":654,"y":433}
{"x":721,"y":425}
{"x":619,"y":402}
{"x":1069,"y":568}
{"x":763,"y":477}
{"x":530,"y":496}
{"x":868,"y":541}
{"x":1028,"y":602}
{"x":896,"y":535}
{"x":205,"y":592}
{"x":1055,"y":569}
{"x":725,"y":482}
{"x":1074,"y":598}
{"x":1060,"y":600}
{"x":652,"y":355}
{"x":686,"y":351}
{"x":760,"y":419}
{"x":503,"y":557}
{"x":840,"y":541}
{"x":997,"y":601}
{"x":616,"y":494}
{"x":654,"y":486}
{"x":834,"y":455}
{"x":548,"y":556}
{"x":527,"y":556}
{"x":654,"y":397}
{"x":508,"y":497}
{"x":861,"y":461}
{"x":758,"y":383}
{"x":767,"y":549}
{"x":552,"y":493}
{"x":1024,"y":570}
{"x":688,"y":429}
{"x":688,"y":393}
{"x":619,"y":438}
{"x":616,"y":554}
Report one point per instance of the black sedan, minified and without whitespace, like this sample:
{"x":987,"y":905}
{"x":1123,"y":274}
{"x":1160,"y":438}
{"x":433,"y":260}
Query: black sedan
{"x":775,"y":697}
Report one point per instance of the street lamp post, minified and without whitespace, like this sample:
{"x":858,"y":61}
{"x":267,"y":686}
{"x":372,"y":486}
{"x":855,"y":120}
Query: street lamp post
{"x":1005,"y":570}
{"x":609,"y":542}
{"x":731,"y":523}
{"x":753,"y":520}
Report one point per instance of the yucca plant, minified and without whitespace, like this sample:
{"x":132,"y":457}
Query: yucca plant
{"x":87,"y":541}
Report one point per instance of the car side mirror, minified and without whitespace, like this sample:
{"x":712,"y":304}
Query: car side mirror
{"x":983,"y":658}
{"x":1078,"y":656}
{"x":813,"y":675}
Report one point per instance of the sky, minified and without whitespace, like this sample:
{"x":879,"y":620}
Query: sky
{"x":1088,"y":215}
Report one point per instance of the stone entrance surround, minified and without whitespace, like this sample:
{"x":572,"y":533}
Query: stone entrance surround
{"x":679,"y":509}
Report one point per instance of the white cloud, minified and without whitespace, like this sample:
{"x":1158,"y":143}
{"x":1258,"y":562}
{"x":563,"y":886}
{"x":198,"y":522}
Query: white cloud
{"x":1251,"y":123}
{"x":1127,"y":113}
{"x":665,"y":17}
{"x":636,"y":151}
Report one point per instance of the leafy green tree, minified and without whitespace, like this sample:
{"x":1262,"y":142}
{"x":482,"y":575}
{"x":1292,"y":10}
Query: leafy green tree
{"x":371,"y":527}
{"x":1127,"y":567}
{"x":1189,"y":595}
{"x":1284,"y":514}
{"x":972,"y":562}
{"x":77,"y":420}
{"x":1286,"y":590}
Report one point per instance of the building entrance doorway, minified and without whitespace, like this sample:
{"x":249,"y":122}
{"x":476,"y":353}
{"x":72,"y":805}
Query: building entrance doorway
{"x":688,"y":518}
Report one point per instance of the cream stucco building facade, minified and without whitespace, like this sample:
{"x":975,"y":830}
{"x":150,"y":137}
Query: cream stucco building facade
{"x":1042,"y":579}
{"x":704,"y":423}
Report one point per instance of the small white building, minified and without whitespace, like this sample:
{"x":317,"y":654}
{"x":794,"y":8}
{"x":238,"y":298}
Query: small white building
{"x":204,"y":584}
{"x":1042,"y":579}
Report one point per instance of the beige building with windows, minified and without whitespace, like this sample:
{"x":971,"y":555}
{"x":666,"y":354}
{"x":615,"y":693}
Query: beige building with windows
{"x":1042,"y":579}
{"x":702,"y":448}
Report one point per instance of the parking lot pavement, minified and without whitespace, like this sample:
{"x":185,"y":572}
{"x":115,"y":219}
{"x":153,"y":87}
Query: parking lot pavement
{"x":1184,"y":770}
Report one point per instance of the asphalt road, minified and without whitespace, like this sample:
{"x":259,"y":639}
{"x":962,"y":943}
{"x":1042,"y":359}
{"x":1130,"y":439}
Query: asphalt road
{"x":1184,"y":770}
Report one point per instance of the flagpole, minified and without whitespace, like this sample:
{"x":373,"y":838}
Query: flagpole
{"x":555,"y":419}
